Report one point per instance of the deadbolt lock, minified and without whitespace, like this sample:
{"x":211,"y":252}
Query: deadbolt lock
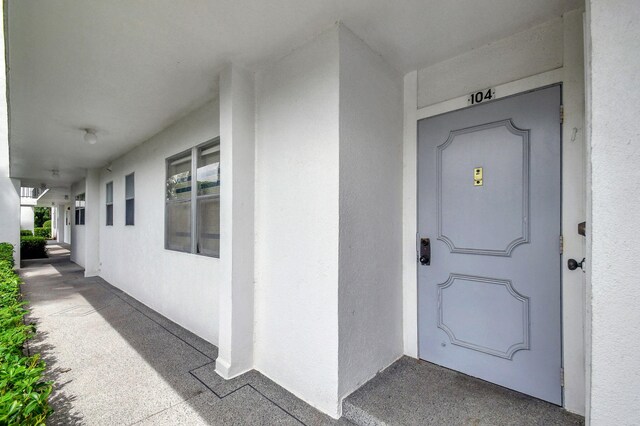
{"x":425,"y":251}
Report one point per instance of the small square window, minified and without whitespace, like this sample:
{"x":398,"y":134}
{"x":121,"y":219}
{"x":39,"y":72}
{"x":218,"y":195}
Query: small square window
{"x":79,"y":209}
{"x":109,"y":204}
{"x":129,"y":199}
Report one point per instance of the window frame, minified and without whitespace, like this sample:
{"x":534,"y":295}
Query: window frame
{"x":194,"y":197}
{"x":79,"y":213}
{"x":132,"y":198}
{"x":197,"y":151}
{"x":168,"y":202}
{"x":108,"y":185}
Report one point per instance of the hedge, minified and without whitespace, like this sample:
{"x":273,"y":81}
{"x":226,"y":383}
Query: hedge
{"x":23,"y":393}
{"x":6,"y":253}
{"x":33,"y":247}
{"x":26,"y":233}
{"x":46,"y":224}
{"x":42,"y":232}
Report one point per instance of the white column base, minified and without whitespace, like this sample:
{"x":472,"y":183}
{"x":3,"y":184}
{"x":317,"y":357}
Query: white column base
{"x":225,"y":370}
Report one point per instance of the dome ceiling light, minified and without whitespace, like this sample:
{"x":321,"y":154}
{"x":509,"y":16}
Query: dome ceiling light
{"x":90,"y":136}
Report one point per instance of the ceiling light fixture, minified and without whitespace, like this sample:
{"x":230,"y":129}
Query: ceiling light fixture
{"x":90,"y":136}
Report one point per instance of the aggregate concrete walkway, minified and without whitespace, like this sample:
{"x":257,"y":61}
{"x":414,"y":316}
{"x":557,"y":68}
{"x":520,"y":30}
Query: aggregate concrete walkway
{"x":412,"y":392}
{"x":116,"y":362}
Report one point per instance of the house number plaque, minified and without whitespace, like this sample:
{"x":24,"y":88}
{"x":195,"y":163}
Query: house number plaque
{"x":477,"y":176}
{"x":481,"y":96}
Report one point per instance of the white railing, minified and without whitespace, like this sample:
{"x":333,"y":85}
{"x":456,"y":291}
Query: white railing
{"x":27,"y":192}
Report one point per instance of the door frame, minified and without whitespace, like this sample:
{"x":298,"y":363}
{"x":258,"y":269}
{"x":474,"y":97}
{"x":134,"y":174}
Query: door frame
{"x":573,"y":208}
{"x":559,"y":259}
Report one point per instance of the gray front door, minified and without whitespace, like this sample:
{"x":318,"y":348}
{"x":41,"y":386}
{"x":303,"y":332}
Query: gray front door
{"x":489,"y":201}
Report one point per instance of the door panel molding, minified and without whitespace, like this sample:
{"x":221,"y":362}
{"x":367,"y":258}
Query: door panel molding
{"x":523,"y":238}
{"x":523,"y":342}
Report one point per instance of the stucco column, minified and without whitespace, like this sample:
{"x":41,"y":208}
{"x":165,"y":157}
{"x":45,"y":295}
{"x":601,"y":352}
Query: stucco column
{"x":92,"y":224}
{"x":237,"y":153}
{"x":615,"y":211}
{"x":9,"y":199}
{"x":60,"y":222}
{"x":9,"y":188}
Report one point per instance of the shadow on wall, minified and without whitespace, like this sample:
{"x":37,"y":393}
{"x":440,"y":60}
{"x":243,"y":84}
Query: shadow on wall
{"x":95,"y":317}
{"x":60,"y":283}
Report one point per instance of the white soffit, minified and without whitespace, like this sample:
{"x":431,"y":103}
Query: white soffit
{"x":131,"y":68}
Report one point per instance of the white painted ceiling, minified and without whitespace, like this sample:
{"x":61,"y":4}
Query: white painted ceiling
{"x":131,"y":68}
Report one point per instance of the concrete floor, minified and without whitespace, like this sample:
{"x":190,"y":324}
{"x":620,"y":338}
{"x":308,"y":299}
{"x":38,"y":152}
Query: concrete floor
{"x":117,"y":362}
{"x":412,"y":392}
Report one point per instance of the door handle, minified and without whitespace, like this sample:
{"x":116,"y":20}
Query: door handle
{"x":573,"y":264}
{"x":425,"y":251}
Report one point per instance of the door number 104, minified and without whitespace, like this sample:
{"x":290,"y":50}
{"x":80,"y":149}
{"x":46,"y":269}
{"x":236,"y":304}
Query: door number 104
{"x":481,"y":96}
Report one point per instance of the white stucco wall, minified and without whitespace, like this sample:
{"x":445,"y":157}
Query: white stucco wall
{"x":370,"y":274}
{"x":27,"y":218}
{"x":615,"y":227}
{"x":549,"y":53}
{"x":527,"y":53}
{"x":297,"y":171}
{"x":181,"y":286}
{"x":78,"y":240}
{"x":9,"y":188}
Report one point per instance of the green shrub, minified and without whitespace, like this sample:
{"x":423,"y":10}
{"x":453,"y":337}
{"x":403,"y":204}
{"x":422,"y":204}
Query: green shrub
{"x":40,"y":215}
{"x":46,"y":224}
{"x":6,"y":253}
{"x":33,"y":247}
{"x":23,"y":393}
{"x":42,"y":232}
{"x":26,"y":233}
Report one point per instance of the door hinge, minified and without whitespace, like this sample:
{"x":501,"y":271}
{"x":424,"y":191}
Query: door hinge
{"x":561,"y":114}
{"x":562,"y":377}
{"x":561,"y":244}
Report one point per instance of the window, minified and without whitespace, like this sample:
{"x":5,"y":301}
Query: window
{"x":192,"y":215}
{"x":129,"y":193}
{"x":178,"y":204}
{"x":208,"y":200}
{"x":110,"y":204}
{"x":80,"y":205}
